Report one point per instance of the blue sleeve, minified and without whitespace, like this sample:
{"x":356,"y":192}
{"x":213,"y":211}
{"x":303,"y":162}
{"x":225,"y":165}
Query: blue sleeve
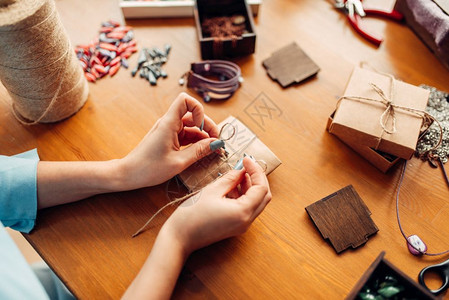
{"x":17,"y":280}
{"x":18,"y":190}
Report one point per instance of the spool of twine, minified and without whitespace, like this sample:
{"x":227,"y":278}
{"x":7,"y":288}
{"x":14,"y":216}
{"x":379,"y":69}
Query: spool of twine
{"x":38,"y":67}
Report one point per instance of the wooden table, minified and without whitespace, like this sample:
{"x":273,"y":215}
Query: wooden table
{"x":89,"y":245}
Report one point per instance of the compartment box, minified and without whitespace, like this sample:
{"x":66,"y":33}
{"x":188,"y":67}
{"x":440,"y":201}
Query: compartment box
{"x":224,"y":47}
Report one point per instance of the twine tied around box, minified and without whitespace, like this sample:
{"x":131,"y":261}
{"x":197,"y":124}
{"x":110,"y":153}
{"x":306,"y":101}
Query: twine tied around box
{"x":389,"y":111}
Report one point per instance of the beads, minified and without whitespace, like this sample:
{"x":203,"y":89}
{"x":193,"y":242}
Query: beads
{"x":107,"y":53}
{"x":438,"y":106}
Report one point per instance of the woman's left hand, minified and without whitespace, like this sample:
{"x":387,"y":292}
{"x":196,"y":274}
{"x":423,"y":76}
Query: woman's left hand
{"x":160,"y":155}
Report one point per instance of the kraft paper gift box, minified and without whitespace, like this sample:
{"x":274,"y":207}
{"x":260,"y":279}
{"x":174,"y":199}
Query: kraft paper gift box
{"x":381,"y":160}
{"x":358,"y":122}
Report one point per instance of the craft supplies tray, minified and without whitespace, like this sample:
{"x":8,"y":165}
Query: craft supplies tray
{"x":383,"y":278}
{"x":225,"y":28}
{"x":133,"y":9}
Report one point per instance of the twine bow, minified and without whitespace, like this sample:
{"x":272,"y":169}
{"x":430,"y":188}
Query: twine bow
{"x":390,"y":111}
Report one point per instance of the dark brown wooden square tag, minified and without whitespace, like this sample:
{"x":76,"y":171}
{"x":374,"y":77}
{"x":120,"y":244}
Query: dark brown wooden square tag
{"x":290,"y":64}
{"x":343,"y":218}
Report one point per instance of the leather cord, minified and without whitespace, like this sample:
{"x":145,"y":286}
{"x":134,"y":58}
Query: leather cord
{"x":399,"y":219}
{"x":201,"y":78}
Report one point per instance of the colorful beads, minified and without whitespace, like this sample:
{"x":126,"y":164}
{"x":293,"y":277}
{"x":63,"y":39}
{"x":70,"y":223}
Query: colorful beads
{"x":108,"y":52}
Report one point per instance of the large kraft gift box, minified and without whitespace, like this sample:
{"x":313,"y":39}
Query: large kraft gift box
{"x":358,"y":122}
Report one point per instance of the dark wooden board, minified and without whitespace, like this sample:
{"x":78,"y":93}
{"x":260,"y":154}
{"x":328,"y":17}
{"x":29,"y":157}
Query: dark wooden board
{"x":290,"y":64}
{"x":343,"y":218}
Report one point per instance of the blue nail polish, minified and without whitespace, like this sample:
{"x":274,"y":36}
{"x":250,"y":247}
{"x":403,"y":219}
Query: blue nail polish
{"x":239,"y":164}
{"x":202,"y":125}
{"x":216,"y":145}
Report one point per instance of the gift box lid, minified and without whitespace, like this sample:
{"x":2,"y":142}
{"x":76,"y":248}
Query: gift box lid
{"x":359,"y":121}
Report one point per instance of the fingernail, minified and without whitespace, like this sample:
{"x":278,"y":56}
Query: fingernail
{"x":239,"y":164}
{"x":216,"y":145}
{"x":202,"y":125}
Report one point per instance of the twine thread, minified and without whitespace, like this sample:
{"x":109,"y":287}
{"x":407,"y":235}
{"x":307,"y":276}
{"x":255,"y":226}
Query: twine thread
{"x":390,"y":111}
{"x":38,"y":69}
{"x":214,"y":171}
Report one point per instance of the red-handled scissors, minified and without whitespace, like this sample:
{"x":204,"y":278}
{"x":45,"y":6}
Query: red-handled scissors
{"x":355,"y":11}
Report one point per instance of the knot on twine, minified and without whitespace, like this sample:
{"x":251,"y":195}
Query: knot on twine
{"x":390,"y":111}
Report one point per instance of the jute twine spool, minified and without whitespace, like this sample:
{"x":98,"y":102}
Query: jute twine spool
{"x":37,"y":64}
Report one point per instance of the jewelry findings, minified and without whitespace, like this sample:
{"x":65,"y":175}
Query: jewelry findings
{"x":438,"y":106}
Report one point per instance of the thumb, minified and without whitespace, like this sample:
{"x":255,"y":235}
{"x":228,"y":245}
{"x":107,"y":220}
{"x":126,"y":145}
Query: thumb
{"x":196,"y":151}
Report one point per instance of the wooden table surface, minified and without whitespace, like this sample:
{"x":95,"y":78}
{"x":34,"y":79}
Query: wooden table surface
{"x":88,"y":243}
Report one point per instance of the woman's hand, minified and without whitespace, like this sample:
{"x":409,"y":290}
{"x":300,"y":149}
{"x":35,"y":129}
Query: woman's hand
{"x":159,"y":156}
{"x":223,"y":209}
{"x":156,"y":159}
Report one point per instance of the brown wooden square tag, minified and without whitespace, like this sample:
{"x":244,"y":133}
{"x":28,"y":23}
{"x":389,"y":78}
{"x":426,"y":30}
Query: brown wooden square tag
{"x":343,"y":218}
{"x":290,"y":64}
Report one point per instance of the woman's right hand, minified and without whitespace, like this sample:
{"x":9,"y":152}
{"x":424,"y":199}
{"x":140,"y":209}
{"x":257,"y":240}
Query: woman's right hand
{"x":223,"y":209}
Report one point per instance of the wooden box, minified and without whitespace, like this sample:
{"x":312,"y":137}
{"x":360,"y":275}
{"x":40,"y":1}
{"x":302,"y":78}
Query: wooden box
{"x":381,"y":268}
{"x":224,"y":47}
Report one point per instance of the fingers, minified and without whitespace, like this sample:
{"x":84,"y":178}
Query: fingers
{"x":246,"y":183}
{"x":191,"y":135}
{"x":234,"y":194}
{"x":255,"y":173}
{"x":241,"y":188}
{"x":183,"y":104}
{"x":209,"y":125}
{"x":258,"y":195}
{"x":195,"y":151}
{"x":255,"y":201}
{"x":228,"y":182}
{"x":191,"y":112}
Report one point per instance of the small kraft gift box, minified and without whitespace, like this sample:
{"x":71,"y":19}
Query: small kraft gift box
{"x":379,"y":117}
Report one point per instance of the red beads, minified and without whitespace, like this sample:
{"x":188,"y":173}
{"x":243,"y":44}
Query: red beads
{"x":107,"y":53}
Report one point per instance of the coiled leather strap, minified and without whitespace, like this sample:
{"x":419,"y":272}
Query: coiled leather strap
{"x":201,"y":78}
